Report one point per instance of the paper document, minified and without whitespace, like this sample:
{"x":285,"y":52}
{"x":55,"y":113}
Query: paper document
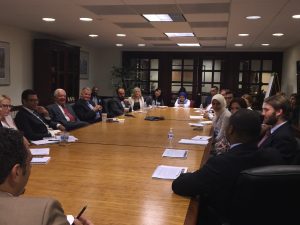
{"x":196,"y":117}
{"x":175,"y":153}
{"x":193,"y":142}
{"x":168,"y":172}
{"x":45,"y":141}
{"x":40,"y":160}
{"x":206,"y":122}
{"x":196,"y":124}
{"x":40,"y":151}
{"x":202,"y":138}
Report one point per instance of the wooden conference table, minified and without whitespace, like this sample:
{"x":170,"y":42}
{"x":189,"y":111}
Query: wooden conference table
{"x":110,"y":169}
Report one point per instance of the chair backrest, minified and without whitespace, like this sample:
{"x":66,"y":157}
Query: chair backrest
{"x":267,"y":195}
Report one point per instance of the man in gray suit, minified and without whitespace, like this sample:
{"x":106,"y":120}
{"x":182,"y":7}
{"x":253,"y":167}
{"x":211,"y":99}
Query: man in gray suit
{"x":63,"y":113}
{"x":15,"y":169}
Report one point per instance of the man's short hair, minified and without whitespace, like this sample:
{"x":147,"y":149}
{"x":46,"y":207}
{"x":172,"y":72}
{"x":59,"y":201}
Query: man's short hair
{"x":118,"y":88}
{"x":12,"y":152}
{"x":57,"y":91}
{"x":216,"y":87}
{"x":279,"y":102}
{"x":26,"y":93}
{"x":246,"y":123}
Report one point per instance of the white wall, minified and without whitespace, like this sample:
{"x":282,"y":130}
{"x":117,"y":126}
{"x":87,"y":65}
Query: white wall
{"x":21,"y":52}
{"x":289,"y":81}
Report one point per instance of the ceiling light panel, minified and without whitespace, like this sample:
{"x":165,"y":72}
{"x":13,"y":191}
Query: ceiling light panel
{"x":158,"y":17}
{"x":180,"y":34}
{"x":85,"y":19}
{"x":48,"y":19}
{"x":188,"y":44}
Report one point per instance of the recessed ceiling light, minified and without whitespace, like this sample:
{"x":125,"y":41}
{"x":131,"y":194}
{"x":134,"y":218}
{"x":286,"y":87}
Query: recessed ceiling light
{"x":265,"y":44}
{"x":86,"y":19}
{"x":253,"y":17}
{"x":243,"y":35}
{"x":278,"y":34}
{"x":119,"y":45}
{"x":48,"y":19}
{"x":180,"y":34}
{"x":296,"y":16}
{"x":141,"y":45}
{"x":93,"y":35}
{"x":121,"y":35}
{"x":188,"y":44}
{"x":238,"y":45}
{"x":158,"y":17}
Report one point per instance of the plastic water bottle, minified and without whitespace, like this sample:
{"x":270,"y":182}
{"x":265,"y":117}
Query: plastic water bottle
{"x":201,"y":108}
{"x":170,"y":137}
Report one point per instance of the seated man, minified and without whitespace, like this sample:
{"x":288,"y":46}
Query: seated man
{"x":95,"y":96}
{"x":15,"y":169}
{"x":34,"y":120}
{"x":117,"y":105}
{"x":87,"y":110}
{"x":215,"y":180}
{"x":63,"y":113}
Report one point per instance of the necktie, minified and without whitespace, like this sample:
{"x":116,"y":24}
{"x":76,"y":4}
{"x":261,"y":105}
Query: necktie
{"x":267,"y":134}
{"x":68,"y":114}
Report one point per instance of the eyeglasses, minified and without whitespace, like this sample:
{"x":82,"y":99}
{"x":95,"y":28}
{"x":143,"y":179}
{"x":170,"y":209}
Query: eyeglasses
{"x":5,"y":106}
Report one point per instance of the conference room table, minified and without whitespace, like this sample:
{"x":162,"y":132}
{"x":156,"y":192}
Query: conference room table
{"x":110,"y":169}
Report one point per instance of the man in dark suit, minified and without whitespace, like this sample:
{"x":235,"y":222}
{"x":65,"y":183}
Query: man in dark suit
{"x":15,"y":170}
{"x":95,"y":96}
{"x":87,"y":110}
{"x":215,"y":180}
{"x":213,"y":91}
{"x":34,"y":120}
{"x":118,"y":105}
{"x":63,"y":113}
{"x":279,"y":135}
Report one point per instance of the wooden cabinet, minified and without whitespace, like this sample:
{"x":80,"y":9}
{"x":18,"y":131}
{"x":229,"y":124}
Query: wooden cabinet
{"x":56,"y":65}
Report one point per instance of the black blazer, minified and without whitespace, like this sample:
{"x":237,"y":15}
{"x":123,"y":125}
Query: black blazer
{"x":115,"y":107}
{"x":57,"y":116}
{"x":32,"y":127}
{"x":283,"y":142}
{"x":84,"y":112}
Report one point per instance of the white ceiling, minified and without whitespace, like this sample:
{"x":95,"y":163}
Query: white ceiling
{"x":215,"y":23}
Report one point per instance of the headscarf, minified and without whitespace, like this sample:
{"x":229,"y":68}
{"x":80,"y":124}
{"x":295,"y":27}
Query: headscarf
{"x":184,"y":95}
{"x":220,"y":98}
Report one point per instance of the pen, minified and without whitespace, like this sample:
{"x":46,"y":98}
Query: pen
{"x":80,"y":213}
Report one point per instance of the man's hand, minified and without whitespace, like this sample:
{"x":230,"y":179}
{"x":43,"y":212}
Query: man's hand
{"x":82,"y":221}
{"x":42,"y":110}
{"x":61,"y":127}
{"x":97,"y":108}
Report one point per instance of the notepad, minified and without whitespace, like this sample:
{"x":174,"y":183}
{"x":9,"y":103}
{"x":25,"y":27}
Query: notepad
{"x":196,"y":124}
{"x":202,"y":138}
{"x":40,"y":151}
{"x":196,"y":117}
{"x":45,"y":141}
{"x":175,"y":153}
{"x":193,"y":142}
{"x":168,"y":172}
{"x":40,"y":160}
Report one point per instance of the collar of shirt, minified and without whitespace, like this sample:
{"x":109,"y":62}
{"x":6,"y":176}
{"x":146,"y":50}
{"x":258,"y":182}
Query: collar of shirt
{"x":29,"y":110}
{"x":233,"y":145}
{"x":276,"y":127}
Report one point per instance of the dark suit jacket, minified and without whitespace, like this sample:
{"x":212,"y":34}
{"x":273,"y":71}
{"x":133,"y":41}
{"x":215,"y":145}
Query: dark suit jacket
{"x":114,"y":107}
{"x":84,"y":112}
{"x":99,"y":100}
{"x":57,"y":116}
{"x":215,"y":180}
{"x":32,"y":127}
{"x":283,"y":142}
{"x":207,"y":101}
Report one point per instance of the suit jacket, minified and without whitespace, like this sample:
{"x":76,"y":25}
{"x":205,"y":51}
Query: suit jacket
{"x":207,"y":101}
{"x":84,"y":112}
{"x":97,"y":100}
{"x":57,"y":115}
{"x":32,"y":127}
{"x":115,"y":107}
{"x":31,"y":211}
{"x":283,"y":142}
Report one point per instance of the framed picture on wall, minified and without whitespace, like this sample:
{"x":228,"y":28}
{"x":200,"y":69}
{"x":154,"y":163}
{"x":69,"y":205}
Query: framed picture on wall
{"x":84,"y":65}
{"x":4,"y":63}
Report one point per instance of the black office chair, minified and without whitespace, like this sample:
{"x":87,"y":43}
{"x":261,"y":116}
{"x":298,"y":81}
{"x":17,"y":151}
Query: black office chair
{"x":267,"y":195}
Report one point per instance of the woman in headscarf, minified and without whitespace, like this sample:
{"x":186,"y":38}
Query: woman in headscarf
{"x":182,"y":101}
{"x":220,"y":123}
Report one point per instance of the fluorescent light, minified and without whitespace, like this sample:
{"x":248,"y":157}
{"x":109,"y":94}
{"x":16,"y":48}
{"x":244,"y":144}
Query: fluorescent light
{"x":278,"y":34}
{"x":265,"y":44}
{"x":158,"y":17}
{"x":180,"y":34}
{"x":141,"y":45}
{"x":253,"y":17}
{"x":243,"y":35}
{"x":48,"y":19}
{"x":86,"y":19}
{"x":121,"y":35}
{"x":296,"y":16}
{"x":119,"y":45}
{"x":188,"y":44}
{"x":93,"y":35}
{"x":238,"y":45}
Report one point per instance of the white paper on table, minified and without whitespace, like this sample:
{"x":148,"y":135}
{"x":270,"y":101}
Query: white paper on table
{"x":202,"y":138}
{"x":175,"y":153}
{"x":162,"y":106}
{"x":40,"y":160}
{"x":40,"y":151}
{"x":193,"y":142}
{"x":70,"y":219}
{"x":45,"y":141}
{"x":196,"y":124}
{"x":168,"y":172}
{"x":206,"y":122}
{"x":196,"y":117}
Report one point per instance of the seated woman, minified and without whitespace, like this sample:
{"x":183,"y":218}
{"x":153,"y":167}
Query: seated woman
{"x":136,"y":100}
{"x":182,"y":101}
{"x":155,"y":99}
{"x":220,"y":123}
{"x":236,"y":104}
